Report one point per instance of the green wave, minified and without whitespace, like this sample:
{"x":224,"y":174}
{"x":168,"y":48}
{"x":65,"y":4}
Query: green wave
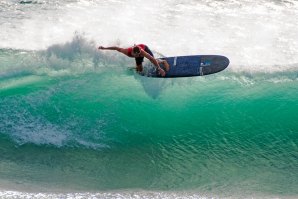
{"x":108,"y":129}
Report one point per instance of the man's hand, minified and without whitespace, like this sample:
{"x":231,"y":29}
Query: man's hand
{"x":161,"y":71}
{"x":101,"y":48}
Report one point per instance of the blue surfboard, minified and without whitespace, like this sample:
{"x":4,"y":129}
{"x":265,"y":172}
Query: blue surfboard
{"x":187,"y":66}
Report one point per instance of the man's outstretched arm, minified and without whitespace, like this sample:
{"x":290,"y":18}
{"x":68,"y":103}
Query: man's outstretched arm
{"x":122,"y":50}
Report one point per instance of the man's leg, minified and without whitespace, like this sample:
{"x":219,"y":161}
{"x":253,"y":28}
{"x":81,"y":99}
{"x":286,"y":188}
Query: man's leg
{"x":139,"y":68}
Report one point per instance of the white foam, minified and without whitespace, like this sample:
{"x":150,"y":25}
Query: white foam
{"x":249,"y":33}
{"x":126,"y":194}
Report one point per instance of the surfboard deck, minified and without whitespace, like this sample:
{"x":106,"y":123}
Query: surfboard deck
{"x":187,"y":66}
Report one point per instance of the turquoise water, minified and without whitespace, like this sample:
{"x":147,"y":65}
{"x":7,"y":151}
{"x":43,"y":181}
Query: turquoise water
{"x":111,"y":129}
{"x":76,"y":122}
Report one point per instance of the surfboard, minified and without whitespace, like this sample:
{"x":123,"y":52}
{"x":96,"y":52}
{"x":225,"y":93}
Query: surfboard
{"x":187,"y":66}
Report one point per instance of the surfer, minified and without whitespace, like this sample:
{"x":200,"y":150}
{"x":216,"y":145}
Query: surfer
{"x":139,"y":52}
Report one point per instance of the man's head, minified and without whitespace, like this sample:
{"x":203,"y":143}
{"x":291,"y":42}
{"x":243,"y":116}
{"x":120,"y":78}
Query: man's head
{"x":136,"y":50}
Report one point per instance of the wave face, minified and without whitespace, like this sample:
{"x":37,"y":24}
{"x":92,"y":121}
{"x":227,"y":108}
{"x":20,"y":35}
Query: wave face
{"x":77,"y":120}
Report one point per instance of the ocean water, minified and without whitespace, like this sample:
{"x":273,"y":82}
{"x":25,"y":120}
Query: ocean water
{"x":76,"y":122}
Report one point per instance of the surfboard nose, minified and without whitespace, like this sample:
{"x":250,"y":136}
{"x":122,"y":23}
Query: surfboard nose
{"x":225,"y":61}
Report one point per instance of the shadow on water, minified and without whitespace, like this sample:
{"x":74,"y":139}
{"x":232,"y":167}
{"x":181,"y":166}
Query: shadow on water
{"x":153,"y":87}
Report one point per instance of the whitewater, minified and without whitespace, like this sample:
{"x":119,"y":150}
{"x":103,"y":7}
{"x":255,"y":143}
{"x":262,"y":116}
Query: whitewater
{"x":76,"y":122}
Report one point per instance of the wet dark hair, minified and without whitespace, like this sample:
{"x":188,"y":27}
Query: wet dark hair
{"x":136,"y":50}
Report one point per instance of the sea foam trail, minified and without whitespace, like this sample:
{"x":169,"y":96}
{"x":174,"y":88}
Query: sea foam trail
{"x":69,"y":58}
